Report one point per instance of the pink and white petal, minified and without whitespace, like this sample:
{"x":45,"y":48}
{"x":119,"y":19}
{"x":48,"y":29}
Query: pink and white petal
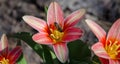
{"x":15,"y":54}
{"x":114,"y":31}
{"x":42,"y":38}
{"x":55,"y":14}
{"x":99,"y":50}
{"x":71,"y":34}
{"x":114,"y":61}
{"x":4,"y":42}
{"x":4,"y":45}
{"x":97,"y":30}
{"x":61,"y":51}
{"x":36,"y":23}
{"x":74,"y":18}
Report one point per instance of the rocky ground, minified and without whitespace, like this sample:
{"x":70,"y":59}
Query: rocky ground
{"x":104,"y":12}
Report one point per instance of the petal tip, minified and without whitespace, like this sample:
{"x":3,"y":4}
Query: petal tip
{"x":26,"y":17}
{"x":88,"y":20}
{"x":61,"y":52}
{"x":82,"y":10}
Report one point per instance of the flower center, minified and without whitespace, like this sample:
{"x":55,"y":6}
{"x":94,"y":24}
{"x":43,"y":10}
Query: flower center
{"x":56,"y":35}
{"x":113,"y":49}
{"x":4,"y":61}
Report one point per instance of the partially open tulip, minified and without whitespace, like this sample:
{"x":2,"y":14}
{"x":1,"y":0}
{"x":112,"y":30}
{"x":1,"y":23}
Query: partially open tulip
{"x":108,"y":47}
{"x":6,"y":56}
{"x":57,"y":31}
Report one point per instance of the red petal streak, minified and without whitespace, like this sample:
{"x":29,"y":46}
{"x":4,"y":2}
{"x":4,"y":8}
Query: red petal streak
{"x":61,"y":51}
{"x":114,"y":32}
{"x":42,"y":38}
{"x":100,"y":51}
{"x":36,"y":23}
{"x":104,"y":61}
{"x":74,"y":18}
{"x":114,"y":61}
{"x":55,"y":14}
{"x":14,"y":54}
{"x":4,"y":53}
{"x":72,"y":34}
{"x":97,"y":30}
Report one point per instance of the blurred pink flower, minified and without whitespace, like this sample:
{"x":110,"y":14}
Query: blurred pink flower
{"x":6,"y":56}
{"x":57,"y":31}
{"x":108,"y":47}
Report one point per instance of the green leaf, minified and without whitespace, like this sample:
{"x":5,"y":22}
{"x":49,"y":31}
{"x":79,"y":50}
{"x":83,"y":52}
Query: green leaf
{"x":42,"y":50}
{"x":21,"y":60}
{"x":79,"y":52}
{"x":46,"y":9}
{"x":27,"y":37}
{"x":47,"y":55}
{"x":95,"y":60}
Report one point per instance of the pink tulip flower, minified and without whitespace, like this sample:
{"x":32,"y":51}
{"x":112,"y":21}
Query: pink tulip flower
{"x":57,"y":31}
{"x":108,"y":47}
{"x":6,"y":56}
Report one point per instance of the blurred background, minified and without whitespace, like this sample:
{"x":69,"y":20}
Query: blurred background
{"x":104,"y":12}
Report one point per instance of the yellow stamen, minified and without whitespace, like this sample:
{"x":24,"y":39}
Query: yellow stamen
{"x":56,"y":35}
{"x":113,"y":49}
{"x":4,"y":61}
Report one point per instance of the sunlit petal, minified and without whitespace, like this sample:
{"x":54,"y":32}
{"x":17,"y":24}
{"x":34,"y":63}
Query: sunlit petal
{"x":36,"y":23}
{"x":97,"y":30}
{"x":100,"y":51}
{"x":61,"y":51}
{"x":4,"y":42}
{"x":42,"y":38}
{"x":74,"y":18}
{"x":4,"y":45}
{"x":114,"y":32}
{"x":72,"y":34}
{"x":55,"y":14}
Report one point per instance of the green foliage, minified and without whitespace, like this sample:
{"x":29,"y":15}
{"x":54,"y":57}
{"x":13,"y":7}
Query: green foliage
{"x":41,"y":50}
{"x":79,"y":52}
{"x":21,"y":60}
{"x":27,"y":37}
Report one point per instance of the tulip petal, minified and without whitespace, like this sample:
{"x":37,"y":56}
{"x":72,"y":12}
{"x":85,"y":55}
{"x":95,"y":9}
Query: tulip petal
{"x":114,"y":31}
{"x":4,"y":42}
{"x":72,"y":34}
{"x":15,"y":54}
{"x":114,"y":61}
{"x":55,"y":14}
{"x":36,"y":23}
{"x":74,"y":18}
{"x":42,"y":38}
{"x":4,"y":45}
{"x":100,"y":51}
{"x":97,"y":30}
{"x":61,"y":51}
{"x":104,"y":61}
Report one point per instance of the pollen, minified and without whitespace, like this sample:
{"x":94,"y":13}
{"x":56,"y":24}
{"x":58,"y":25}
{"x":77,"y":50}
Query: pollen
{"x":56,"y":35}
{"x":113,"y":49}
{"x":4,"y":61}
